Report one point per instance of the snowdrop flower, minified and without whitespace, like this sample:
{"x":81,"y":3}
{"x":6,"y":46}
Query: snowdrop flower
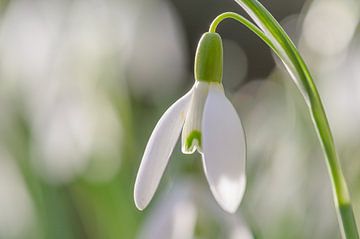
{"x":209,"y":124}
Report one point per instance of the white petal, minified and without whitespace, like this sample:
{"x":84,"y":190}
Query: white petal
{"x":224,"y":149}
{"x":158,"y":150}
{"x":191,"y":134}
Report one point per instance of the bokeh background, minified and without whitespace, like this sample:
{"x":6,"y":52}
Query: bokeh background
{"x":83,"y":82}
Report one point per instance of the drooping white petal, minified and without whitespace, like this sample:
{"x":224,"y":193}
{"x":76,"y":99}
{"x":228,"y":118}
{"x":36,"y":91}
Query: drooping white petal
{"x":191,"y":134}
{"x":224,"y":149}
{"x":158,"y":150}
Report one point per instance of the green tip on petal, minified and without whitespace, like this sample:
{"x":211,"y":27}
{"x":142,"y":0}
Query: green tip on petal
{"x":194,"y":135}
{"x":209,"y":58}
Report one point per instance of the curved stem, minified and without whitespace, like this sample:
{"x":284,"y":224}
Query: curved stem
{"x":276,"y":38}
{"x":245,"y":22}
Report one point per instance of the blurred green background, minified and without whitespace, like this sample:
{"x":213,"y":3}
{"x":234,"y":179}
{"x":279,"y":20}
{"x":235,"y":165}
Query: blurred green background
{"x":83,"y":83}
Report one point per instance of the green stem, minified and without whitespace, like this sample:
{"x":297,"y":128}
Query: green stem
{"x":245,"y":22}
{"x":277,"y":39}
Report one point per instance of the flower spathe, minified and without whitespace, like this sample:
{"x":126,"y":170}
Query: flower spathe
{"x":209,"y":124}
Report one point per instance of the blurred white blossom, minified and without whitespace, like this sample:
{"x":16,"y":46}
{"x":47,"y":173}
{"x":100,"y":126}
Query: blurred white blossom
{"x":173,"y":217}
{"x":61,"y":59}
{"x":17,"y":215}
{"x":156,"y":65}
{"x":177,"y":214}
{"x":329,"y":25}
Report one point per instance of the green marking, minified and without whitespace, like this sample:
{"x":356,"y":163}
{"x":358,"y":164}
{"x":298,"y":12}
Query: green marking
{"x":195,"y":134}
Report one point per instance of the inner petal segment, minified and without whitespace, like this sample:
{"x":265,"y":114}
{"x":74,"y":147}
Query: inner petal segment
{"x":191,"y":134}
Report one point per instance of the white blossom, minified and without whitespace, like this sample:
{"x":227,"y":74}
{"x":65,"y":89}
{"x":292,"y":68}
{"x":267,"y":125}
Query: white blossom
{"x":210,"y":125}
